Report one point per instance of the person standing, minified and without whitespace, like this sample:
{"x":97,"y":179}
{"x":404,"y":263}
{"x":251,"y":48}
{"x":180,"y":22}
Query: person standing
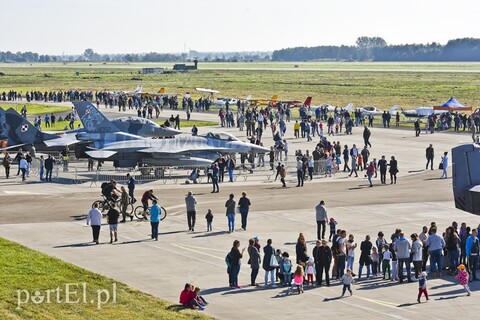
{"x":322,"y":219}
{"x":254,"y":261}
{"x":283,"y":174}
{"x":444,"y":165}
{"x":323,"y":258}
{"x":402,"y":249}
{"x":365,"y":256}
{"x":215,"y":172}
{"x":435,"y":244}
{"x":131,"y":187}
{"x":472,"y":250}
{"x":112,"y":220}
{"x":416,"y":124}
{"x":7,"y":161}
{"x":49,"y":168}
{"x":416,"y":254}
{"x":235,"y":256}
{"x":300,"y":172}
{"x":429,"y":153}
{"x":191,"y":203}
{"x":23,"y":165}
{"x":393,"y":170}
{"x":244,"y":206}
{"x":94,"y":219}
{"x":124,"y":201}
{"x":346,"y":155}
{"x":231,"y":168}
{"x":42,"y":167}
{"x":155,"y":218}
{"x":230,"y":205}
{"x":268,"y":255}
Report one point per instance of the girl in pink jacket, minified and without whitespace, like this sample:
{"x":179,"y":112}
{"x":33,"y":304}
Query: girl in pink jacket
{"x":462,"y":277}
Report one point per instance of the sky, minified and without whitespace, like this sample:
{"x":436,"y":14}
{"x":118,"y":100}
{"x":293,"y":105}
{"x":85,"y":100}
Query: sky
{"x":137,"y":26}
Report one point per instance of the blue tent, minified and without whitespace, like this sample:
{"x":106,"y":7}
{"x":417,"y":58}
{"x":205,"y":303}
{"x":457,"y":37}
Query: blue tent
{"x":452,"y":105}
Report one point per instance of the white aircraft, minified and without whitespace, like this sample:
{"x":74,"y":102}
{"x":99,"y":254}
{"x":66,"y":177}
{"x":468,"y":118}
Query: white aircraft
{"x":375,"y":111}
{"x":421,"y":112}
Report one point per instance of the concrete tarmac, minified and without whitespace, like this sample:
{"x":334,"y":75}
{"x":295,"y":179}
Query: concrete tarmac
{"x":50,"y":218}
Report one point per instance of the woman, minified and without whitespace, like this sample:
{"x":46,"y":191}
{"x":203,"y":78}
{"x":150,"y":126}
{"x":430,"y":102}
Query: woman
{"x":393,"y":170}
{"x":417,"y":254}
{"x":365,"y":258}
{"x":269,"y":252}
{"x":351,"y":246}
{"x":301,"y":250}
{"x":452,"y":241}
{"x":370,"y":172}
{"x":235,"y":256}
{"x":444,"y":165}
{"x":254,"y":261}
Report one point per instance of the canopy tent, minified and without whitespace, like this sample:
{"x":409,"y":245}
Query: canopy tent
{"x":453,"y":105}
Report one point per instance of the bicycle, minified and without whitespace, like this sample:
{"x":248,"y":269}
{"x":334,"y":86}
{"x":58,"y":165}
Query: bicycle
{"x":105,"y":205}
{"x":139,"y":213}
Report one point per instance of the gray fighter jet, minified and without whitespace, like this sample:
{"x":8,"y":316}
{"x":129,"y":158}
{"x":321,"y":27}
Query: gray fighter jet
{"x":107,"y":143}
{"x":143,"y":127}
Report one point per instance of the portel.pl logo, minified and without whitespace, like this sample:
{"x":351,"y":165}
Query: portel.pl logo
{"x":71,"y":293}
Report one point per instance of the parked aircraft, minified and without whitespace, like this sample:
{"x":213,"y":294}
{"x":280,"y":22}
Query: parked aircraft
{"x":127,"y":150}
{"x":421,"y":112}
{"x":377,"y":112}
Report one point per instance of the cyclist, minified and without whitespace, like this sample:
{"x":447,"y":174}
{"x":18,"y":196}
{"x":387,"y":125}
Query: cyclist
{"x":147,"y":195}
{"x":110,"y":191}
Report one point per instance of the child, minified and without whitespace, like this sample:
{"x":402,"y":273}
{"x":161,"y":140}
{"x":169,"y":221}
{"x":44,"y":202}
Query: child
{"x":286,"y":269}
{"x":422,"y":286}
{"x":333,"y":225}
{"x":360,"y":162}
{"x":209,"y":218}
{"x":394,"y":262}
{"x":310,"y":271}
{"x":298,"y":279}
{"x":374,"y":261}
{"x":199,"y":300}
{"x":462,"y":277}
{"x":188,"y":298}
{"x":387,"y":256}
{"x":347,"y":281}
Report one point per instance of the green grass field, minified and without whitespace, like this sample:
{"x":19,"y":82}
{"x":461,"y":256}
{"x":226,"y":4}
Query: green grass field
{"x":338,"y":83}
{"x":25,"y":269}
{"x":35,"y":108}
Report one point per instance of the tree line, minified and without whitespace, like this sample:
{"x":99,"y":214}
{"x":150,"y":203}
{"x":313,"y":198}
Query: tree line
{"x":376,"y":49}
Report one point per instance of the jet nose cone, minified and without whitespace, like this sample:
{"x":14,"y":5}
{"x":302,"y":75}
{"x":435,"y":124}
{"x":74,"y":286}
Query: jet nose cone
{"x":171,"y":132}
{"x":259,"y":149}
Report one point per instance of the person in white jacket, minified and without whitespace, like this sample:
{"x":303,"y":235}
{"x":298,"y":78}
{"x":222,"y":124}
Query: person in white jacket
{"x":94,"y":219}
{"x":417,"y":259}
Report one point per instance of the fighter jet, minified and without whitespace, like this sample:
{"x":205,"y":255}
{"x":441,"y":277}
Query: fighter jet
{"x":143,"y":127}
{"x":19,"y":132}
{"x":127,"y":150}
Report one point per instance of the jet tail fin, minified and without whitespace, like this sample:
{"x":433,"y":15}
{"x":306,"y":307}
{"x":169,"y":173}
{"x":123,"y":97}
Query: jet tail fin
{"x":393,"y":109}
{"x":138,"y":89}
{"x":19,"y":131}
{"x":93,"y":120}
{"x":308,"y":101}
{"x":349,"y":107}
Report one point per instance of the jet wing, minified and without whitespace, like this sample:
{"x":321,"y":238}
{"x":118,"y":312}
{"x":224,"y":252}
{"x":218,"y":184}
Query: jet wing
{"x":100,"y":154}
{"x":62,"y":141}
{"x":173,"y":150}
{"x":13,"y":147}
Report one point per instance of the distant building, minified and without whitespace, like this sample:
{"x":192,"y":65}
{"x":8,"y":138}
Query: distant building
{"x":184,"y":67}
{"x":153,"y":70}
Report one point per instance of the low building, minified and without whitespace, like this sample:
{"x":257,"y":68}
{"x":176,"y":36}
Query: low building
{"x":153,"y":70}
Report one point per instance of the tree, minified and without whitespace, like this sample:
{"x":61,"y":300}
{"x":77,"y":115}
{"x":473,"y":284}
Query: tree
{"x":370,"y":42}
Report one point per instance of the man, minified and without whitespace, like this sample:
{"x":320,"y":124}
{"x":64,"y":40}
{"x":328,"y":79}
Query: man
{"x":382,"y":165}
{"x":215,"y":172}
{"x":42,"y":167}
{"x":423,"y":236}
{"x":23,"y":165}
{"x":366,"y":136}
{"x":283,"y":174}
{"x":7,"y":161}
{"x":147,"y":195}
{"x":472,"y":250}
{"x":435,"y":244}
{"x":402,"y":248}
{"x":429,"y":152}
{"x":323,"y":258}
{"x":109,"y":190}
{"x":112,"y":220}
{"x":49,"y":168}
{"x":365,"y":154}
{"x":191,"y":203}
{"x":124,"y":201}
{"x":155,"y":219}
{"x":17,"y":158}
{"x":417,"y":127}
{"x":322,"y":219}
{"x":94,"y":219}
{"x":231,"y":168}
{"x":244,"y":206}
{"x":230,"y":213}
{"x":271,"y":156}
{"x":299,"y":172}
{"x":131,"y":187}
{"x":341,"y":255}
{"x":194,"y":130}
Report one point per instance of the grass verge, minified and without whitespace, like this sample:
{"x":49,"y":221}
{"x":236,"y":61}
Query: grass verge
{"x":35,"y":109}
{"x":22,"y":268}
